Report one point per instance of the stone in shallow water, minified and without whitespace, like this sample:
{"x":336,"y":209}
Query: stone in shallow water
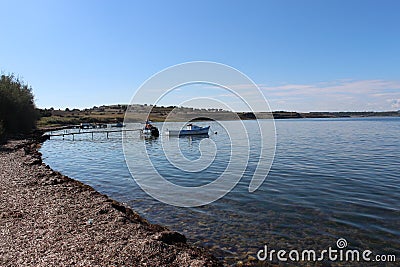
{"x":251,"y":258}
{"x":170,"y":237}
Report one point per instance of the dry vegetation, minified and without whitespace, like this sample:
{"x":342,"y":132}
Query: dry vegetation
{"x":139,"y":113}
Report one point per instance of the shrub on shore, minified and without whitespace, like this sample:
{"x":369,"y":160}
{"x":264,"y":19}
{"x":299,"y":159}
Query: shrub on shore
{"x":18,"y":114}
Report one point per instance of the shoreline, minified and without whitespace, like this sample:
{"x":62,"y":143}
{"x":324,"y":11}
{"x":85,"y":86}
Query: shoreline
{"x":109,"y":114}
{"x":47,"y":218}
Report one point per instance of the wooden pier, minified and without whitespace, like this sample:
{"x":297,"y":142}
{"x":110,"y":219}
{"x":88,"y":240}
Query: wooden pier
{"x":89,"y":132}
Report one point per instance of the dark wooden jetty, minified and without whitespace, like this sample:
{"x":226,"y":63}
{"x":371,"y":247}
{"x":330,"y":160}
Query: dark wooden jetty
{"x":48,"y":136}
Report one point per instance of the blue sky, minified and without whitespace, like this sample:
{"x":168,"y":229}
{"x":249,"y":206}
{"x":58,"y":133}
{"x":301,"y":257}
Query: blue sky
{"x":304,"y":55}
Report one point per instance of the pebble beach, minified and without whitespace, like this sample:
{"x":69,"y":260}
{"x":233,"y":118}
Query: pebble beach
{"x":48,"y":219}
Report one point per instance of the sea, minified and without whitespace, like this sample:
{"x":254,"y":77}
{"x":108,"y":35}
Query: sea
{"x":330,"y":179}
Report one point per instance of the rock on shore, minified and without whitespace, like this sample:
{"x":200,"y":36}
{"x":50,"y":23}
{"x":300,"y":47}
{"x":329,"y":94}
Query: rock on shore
{"x":48,"y":219}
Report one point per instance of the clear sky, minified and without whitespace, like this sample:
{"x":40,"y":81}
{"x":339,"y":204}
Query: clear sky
{"x":305,"y":55}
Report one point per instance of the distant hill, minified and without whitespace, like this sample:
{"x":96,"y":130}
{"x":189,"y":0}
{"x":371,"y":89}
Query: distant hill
{"x":116,"y":113}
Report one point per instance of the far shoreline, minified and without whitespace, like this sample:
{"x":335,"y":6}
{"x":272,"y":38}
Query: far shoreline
{"x":138,"y":113}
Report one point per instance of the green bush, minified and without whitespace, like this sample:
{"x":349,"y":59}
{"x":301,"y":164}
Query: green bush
{"x":18,"y":114}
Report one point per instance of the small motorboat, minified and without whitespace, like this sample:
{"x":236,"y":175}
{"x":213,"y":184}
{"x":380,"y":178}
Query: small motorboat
{"x":191,"y":129}
{"x":149,"y":130}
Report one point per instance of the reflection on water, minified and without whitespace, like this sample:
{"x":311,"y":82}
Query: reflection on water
{"x":330,"y":179}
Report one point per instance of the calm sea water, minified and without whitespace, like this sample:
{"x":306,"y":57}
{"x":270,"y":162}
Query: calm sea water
{"x":331,"y":178}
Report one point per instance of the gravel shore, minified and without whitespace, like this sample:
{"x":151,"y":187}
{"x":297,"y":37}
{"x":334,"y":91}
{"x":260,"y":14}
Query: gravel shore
{"x":48,"y":219}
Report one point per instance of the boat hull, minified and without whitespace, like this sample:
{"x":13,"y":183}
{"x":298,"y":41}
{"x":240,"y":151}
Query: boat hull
{"x":150,"y":132}
{"x":201,"y":131}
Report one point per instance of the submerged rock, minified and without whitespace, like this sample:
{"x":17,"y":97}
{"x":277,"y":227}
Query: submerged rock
{"x":170,"y":237}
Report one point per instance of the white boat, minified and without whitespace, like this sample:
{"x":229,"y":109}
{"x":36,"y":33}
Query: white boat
{"x":191,"y":129}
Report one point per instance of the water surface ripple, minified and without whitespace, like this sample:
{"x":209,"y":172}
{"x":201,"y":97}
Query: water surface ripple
{"x":331,"y":178}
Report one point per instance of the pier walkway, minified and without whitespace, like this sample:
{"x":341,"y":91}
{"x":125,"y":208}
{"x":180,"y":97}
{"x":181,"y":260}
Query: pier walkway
{"x":107,"y":132}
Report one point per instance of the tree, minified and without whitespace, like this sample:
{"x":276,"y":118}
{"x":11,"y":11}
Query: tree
{"x":18,"y":114}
